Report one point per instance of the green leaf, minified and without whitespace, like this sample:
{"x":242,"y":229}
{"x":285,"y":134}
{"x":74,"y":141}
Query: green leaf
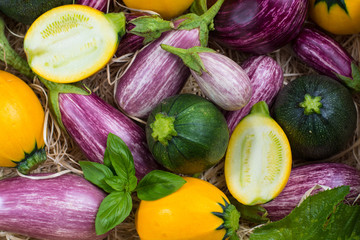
{"x":112,"y":211}
{"x":96,"y":173}
{"x":118,"y":155}
{"x":331,"y":3}
{"x":117,"y":183}
{"x":254,"y":214}
{"x":150,"y":27}
{"x":306,"y":221}
{"x":158,"y":184}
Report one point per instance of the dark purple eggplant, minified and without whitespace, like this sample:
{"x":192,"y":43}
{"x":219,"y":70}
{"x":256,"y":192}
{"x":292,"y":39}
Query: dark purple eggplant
{"x":61,"y":208}
{"x":100,"y":5}
{"x":259,"y":26}
{"x":327,"y":56}
{"x":156,"y":74}
{"x":304,"y":178}
{"x":88,"y":120}
{"x":220,"y":78}
{"x":266,"y":79}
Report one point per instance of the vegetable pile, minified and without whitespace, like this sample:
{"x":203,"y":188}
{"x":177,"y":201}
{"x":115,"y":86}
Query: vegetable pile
{"x":202,"y":119}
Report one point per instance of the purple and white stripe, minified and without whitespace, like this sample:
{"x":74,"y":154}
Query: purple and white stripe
{"x":322,"y":53}
{"x":88,"y":119}
{"x":266,"y":79}
{"x":259,"y":26}
{"x":58,"y":208}
{"x":154,"y":74}
{"x":224,"y":82}
{"x":100,"y":5}
{"x":305,"y":178}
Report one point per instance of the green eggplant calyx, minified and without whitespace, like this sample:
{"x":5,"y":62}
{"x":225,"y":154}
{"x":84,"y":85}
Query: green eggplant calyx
{"x":311,"y":104}
{"x":163,"y":128}
{"x":31,"y":161}
{"x":230,"y":215}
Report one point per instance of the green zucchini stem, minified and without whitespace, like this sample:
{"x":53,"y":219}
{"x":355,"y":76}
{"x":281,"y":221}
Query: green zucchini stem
{"x":163,"y":128}
{"x":10,"y":56}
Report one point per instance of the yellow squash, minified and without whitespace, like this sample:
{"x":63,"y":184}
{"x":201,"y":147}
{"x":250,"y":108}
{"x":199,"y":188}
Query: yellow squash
{"x":167,"y":9}
{"x":198,"y":210}
{"x":21,"y":124}
{"x":338,"y":17}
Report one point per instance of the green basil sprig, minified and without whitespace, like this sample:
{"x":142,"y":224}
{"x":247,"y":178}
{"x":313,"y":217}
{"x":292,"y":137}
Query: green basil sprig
{"x":117,"y":177}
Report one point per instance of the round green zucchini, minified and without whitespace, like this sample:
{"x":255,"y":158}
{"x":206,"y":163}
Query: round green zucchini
{"x":26,"y":11}
{"x":187,"y":134}
{"x":317,"y":114}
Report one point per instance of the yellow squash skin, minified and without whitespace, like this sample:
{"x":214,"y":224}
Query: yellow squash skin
{"x":21,"y":121}
{"x":336,"y":20}
{"x":183,"y":215}
{"x":168,"y":9}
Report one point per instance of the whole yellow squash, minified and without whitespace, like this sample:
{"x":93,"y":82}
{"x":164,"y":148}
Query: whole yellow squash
{"x":21,"y":123}
{"x":339,"y":17}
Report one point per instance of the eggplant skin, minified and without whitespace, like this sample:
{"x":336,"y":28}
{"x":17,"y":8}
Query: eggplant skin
{"x":322,"y":53}
{"x":306,"y":177}
{"x":259,"y":26}
{"x":88,"y":120}
{"x":266,"y":79}
{"x":61,"y":208}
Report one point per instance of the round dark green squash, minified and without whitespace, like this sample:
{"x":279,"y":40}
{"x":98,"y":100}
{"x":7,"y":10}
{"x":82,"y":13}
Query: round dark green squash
{"x":317,"y":114}
{"x":26,"y":11}
{"x":187,"y":134}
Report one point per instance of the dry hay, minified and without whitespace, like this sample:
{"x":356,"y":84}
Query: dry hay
{"x":63,"y":153}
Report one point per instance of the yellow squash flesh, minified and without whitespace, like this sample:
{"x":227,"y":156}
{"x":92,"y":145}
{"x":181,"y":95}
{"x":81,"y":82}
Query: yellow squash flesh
{"x":21,"y":120}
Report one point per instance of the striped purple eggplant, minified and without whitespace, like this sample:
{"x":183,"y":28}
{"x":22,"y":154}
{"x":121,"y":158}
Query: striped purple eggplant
{"x":220,"y":78}
{"x":100,"y":5}
{"x":156,"y":74}
{"x":266,"y":79}
{"x":130,"y":42}
{"x":259,"y":26}
{"x":328,"y":57}
{"x":304,"y":178}
{"x":88,"y":120}
{"x":61,"y":208}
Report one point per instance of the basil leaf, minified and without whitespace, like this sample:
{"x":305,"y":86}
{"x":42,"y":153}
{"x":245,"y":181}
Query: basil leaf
{"x":96,"y":173}
{"x":122,"y":184}
{"x":305,"y":221}
{"x":120,"y":157}
{"x":112,"y":211}
{"x":158,"y":184}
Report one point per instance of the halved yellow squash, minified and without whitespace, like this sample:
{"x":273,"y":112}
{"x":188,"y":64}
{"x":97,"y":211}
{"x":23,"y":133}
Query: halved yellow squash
{"x":72,"y":42}
{"x":258,"y":159}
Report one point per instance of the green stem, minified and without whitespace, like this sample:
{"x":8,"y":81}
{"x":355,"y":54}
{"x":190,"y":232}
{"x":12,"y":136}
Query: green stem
{"x":199,"y":7}
{"x":260,"y":108}
{"x":32,"y":160}
{"x":203,"y":22}
{"x":352,"y":82}
{"x":190,"y":56}
{"x":118,"y":21}
{"x":311,"y":104}
{"x":163,"y":128}
{"x":9,"y":56}
{"x":55,"y":89}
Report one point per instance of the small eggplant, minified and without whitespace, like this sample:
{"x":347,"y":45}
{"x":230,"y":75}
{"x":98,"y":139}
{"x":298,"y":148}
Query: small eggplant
{"x":266,"y":79}
{"x":327,"y":56}
{"x":304,"y":178}
{"x":259,"y":26}
{"x":221,"y":79}
{"x":156,"y":74}
{"x":100,"y":5}
{"x":58,"y":208}
{"x":88,"y":120}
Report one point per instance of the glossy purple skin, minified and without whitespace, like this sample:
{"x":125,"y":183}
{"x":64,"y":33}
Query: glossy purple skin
{"x":154,"y":74}
{"x":259,"y":26}
{"x":266,"y":79}
{"x":130,"y":42}
{"x":224,"y":82}
{"x":306,"y":177}
{"x":61,"y":208}
{"x":88,"y":119}
{"x":322,"y":53}
{"x":100,"y":5}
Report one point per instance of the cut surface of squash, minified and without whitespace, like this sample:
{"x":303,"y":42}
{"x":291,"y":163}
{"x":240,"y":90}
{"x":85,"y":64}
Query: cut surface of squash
{"x":258,"y":159}
{"x":70,"y":43}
